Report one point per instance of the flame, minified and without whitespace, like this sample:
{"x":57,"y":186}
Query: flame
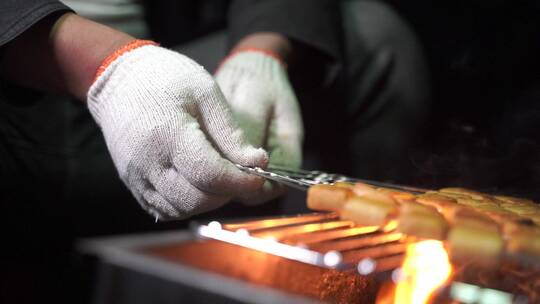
{"x":426,"y":268}
{"x":390,"y":226}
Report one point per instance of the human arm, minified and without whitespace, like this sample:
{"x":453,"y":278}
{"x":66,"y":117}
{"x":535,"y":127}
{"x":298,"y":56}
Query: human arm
{"x":166,"y":124}
{"x":52,"y":56}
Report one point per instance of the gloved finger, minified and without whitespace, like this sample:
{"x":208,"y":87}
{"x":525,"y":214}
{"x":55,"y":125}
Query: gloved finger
{"x":187,"y":199}
{"x":269,"y":191}
{"x":285,"y":150}
{"x":286,"y":134}
{"x":203,"y":167}
{"x":217,"y":121}
{"x":251,"y":107}
{"x":159,"y":207}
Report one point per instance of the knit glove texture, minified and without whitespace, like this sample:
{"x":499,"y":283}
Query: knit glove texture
{"x":258,"y":91}
{"x":171,"y":134}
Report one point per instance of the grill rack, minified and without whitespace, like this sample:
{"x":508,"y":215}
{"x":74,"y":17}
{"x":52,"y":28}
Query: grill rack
{"x":323,"y":240}
{"x":318,"y":239}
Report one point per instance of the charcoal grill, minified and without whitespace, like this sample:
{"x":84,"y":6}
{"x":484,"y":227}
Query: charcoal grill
{"x":307,"y":258}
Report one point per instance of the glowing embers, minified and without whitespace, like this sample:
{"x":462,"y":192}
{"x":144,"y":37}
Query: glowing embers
{"x":281,"y":221}
{"x":425,"y":269}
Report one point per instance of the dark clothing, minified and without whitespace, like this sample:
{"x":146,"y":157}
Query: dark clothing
{"x":316,"y":23}
{"x":313,"y":26}
{"x":16,"y":16}
{"x":174,"y":22}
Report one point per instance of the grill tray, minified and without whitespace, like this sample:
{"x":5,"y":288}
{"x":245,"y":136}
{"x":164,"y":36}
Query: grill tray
{"x":245,"y":275}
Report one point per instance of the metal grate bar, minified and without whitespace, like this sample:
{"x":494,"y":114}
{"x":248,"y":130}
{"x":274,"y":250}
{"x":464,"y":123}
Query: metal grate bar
{"x":357,"y":243}
{"x":280,"y":221}
{"x":318,"y":239}
{"x":279,"y":233}
{"x":324,"y":236}
{"x":379,"y":251}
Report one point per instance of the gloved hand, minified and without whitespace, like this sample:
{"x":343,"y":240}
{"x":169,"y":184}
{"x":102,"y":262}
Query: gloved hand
{"x":170,"y":132}
{"x":257,"y":88}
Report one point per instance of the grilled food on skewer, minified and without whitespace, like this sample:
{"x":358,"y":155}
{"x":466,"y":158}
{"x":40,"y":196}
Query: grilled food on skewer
{"x":472,"y":223}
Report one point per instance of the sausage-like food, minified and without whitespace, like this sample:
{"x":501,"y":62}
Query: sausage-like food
{"x":368,"y":212}
{"x":469,"y":217}
{"x":344,"y":185}
{"x":436,"y":200}
{"x":327,"y":197}
{"x":462,"y":191}
{"x":515,"y":200}
{"x":484,"y":204}
{"x":468,"y":241}
{"x":414,"y":207}
{"x":422,"y":225}
{"x":502,"y":217}
{"x":524,"y":240}
{"x":368,"y":192}
{"x":421,"y":221}
{"x":398,"y":196}
{"x":361,"y":189}
{"x":474,"y":224}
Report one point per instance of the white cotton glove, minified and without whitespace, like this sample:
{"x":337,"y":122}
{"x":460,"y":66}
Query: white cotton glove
{"x":257,"y":88}
{"x":171,"y":134}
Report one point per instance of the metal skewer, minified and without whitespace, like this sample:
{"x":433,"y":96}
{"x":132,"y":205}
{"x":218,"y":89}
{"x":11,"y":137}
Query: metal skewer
{"x":303,"y":179}
{"x":282,"y":179}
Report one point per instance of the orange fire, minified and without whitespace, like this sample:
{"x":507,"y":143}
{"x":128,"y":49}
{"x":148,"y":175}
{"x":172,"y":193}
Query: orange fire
{"x":426,"y":267}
